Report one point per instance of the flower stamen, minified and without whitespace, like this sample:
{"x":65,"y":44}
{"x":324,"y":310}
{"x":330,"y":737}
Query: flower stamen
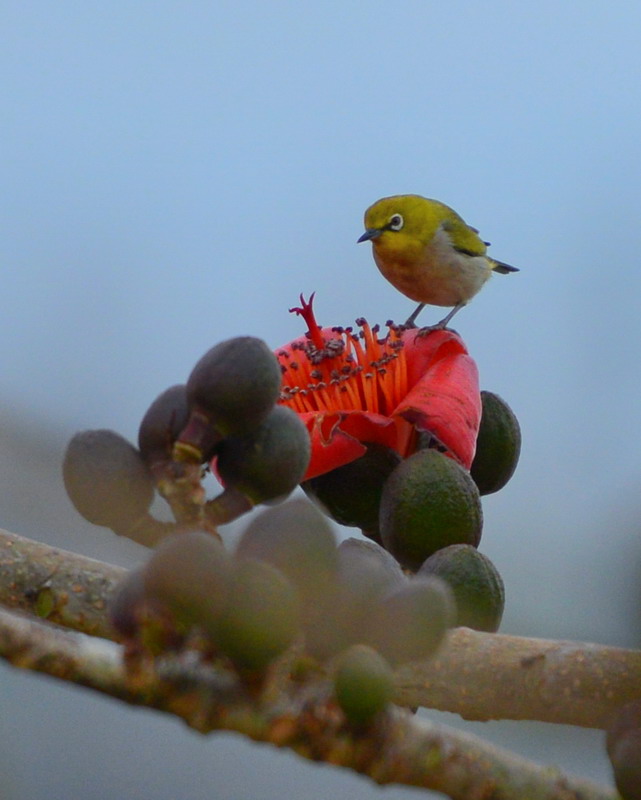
{"x":340,"y":370}
{"x":353,"y":387}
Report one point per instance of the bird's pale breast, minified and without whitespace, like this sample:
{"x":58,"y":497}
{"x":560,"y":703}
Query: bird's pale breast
{"x":441,"y":276}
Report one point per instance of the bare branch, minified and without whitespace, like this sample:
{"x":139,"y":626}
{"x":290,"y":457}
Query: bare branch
{"x":397,"y":749}
{"x":477,"y":675}
{"x":486,"y":676}
{"x":63,"y":587}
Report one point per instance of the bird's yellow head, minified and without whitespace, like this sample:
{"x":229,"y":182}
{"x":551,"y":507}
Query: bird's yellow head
{"x":403,"y":222}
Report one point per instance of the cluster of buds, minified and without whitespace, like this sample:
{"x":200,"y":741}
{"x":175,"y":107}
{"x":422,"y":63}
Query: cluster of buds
{"x":389,"y":434}
{"x":350,"y":607}
{"x":225,"y":417}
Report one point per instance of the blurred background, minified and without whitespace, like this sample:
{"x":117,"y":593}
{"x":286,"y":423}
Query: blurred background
{"x":177,"y":173}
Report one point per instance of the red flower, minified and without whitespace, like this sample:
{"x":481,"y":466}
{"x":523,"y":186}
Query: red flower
{"x":351,"y":388}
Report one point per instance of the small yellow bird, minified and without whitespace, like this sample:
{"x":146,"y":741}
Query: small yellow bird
{"x":428,"y":252}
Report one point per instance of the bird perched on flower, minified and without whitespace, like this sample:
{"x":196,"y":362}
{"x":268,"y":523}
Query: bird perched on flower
{"x":428,"y":252}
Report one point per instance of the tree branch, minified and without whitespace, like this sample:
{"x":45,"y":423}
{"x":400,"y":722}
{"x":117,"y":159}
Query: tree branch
{"x":477,"y":675}
{"x":63,"y":587}
{"x":484,"y":676}
{"x":397,"y":749}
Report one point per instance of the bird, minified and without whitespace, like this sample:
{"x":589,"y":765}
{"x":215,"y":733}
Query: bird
{"x":428,"y":252}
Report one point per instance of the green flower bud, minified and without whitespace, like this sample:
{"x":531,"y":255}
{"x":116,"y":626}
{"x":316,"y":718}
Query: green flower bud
{"x":351,"y":494}
{"x":190,"y":574}
{"x":107,"y":480}
{"x":477,"y":586}
{"x":409,"y":623}
{"x":498,"y":445}
{"x":428,"y":502}
{"x":146,"y":625}
{"x":363,"y":684}
{"x":327,"y":630}
{"x":295,"y":538}
{"x":269,"y":462}
{"x":365,"y":573}
{"x":261,"y":618}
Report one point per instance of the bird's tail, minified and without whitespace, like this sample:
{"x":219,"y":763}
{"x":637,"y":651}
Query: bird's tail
{"x":503,"y":268}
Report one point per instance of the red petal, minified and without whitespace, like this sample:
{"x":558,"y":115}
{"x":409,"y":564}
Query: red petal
{"x":337,"y":437}
{"x":368,"y":427}
{"x":422,"y":351}
{"x":331,"y":446}
{"x":446,"y":401}
{"x":443,"y":398}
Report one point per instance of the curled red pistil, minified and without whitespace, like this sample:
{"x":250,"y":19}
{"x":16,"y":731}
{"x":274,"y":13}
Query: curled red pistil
{"x":333,"y":369}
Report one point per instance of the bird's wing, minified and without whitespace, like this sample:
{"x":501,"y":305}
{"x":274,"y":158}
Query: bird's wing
{"x":464,"y":238}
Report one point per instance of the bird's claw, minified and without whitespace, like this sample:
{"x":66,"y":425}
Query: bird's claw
{"x":427,"y":329}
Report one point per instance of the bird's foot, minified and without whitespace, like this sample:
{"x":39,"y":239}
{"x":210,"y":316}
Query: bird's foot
{"x":441,"y":325}
{"x":427,"y":329}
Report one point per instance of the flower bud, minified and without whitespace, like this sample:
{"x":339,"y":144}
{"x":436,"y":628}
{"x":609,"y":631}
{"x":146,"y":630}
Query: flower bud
{"x":126,"y":604}
{"x":107,"y":480}
{"x":428,"y":502}
{"x":232,"y":388}
{"x":351,"y":494}
{"x":163,"y":421}
{"x":261,"y":618}
{"x":475,"y":582}
{"x":410,"y":622}
{"x":498,"y":445}
{"x":363,"y":684}
{"x":162,"y":424}
{"x":365,"y":573}
{"x":269,"y":462}
{"x":297,"y":539}
{"x":189,"y":573}
{"x":146,"y":625}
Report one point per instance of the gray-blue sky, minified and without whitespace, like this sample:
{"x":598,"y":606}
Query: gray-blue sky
{"x":176,"y":173}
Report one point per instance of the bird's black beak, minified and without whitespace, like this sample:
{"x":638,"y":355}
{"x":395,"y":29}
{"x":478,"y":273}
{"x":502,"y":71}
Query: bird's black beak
{"x":370,"y":233}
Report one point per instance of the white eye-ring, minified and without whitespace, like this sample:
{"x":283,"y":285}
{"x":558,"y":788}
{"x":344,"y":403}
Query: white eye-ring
{"x":396,"y":222}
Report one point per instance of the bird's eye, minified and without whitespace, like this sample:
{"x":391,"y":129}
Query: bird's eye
{"x":395,"y":222}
